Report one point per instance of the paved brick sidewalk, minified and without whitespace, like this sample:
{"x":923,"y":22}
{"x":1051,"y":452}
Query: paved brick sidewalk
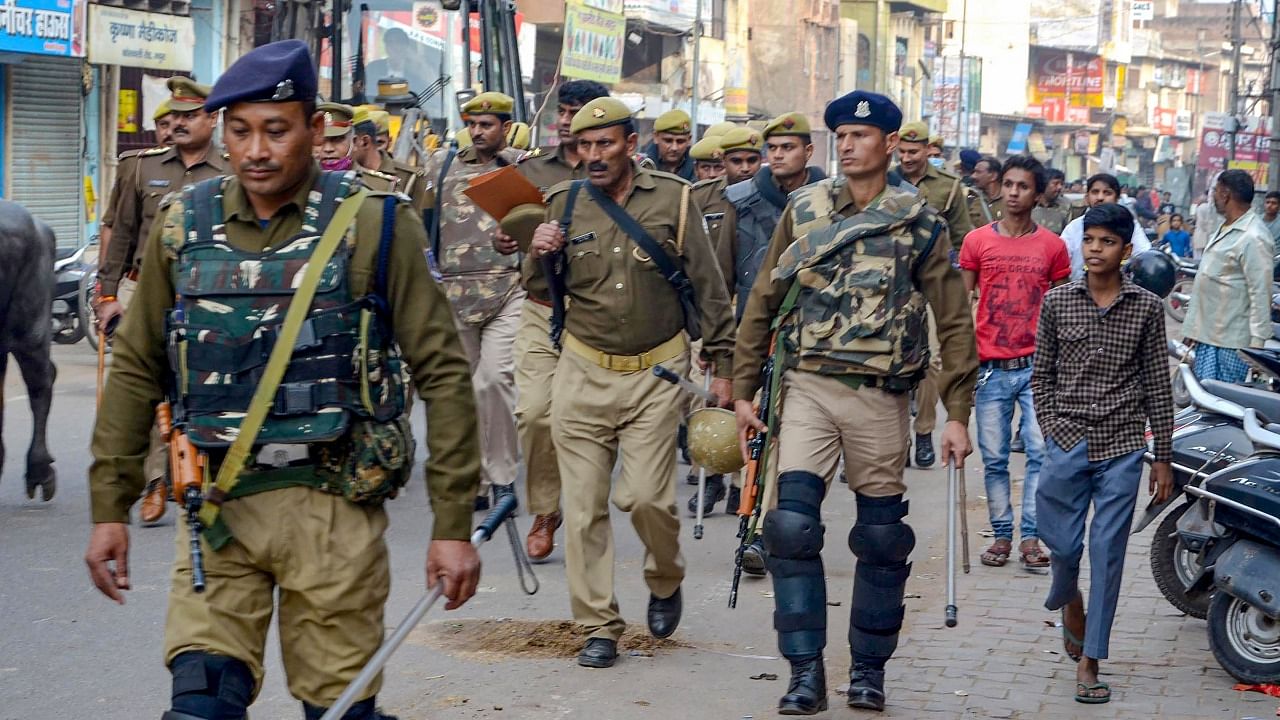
{"x":1006,"y":656}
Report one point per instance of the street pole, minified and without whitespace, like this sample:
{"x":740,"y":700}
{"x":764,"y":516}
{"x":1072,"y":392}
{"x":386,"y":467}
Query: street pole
{"x":1236,"y":43}
{"x":962,"y":107}
{"x":1273,"y":163}
{"x":697,"y":60}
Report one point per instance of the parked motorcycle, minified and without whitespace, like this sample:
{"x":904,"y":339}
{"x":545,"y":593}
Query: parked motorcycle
{"x":70,"y":268}
{"x":1175,"y":305}
{"x":1234,"y":528}
{"x":1208,"y":436}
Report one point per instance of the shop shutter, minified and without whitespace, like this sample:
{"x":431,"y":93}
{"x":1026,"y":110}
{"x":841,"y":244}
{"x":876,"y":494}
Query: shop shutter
{"x":46,"y":135}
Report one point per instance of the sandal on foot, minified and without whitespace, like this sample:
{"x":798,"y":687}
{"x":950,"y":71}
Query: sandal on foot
{"x":998,"y":554}
{"x":1085,"y":693}
{"x":1033,"y":556}
{"x":1069,"y":638}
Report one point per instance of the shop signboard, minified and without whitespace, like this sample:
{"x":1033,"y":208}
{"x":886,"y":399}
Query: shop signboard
{"x":43,"y":27}
{"x":1077,"y":78}
{"x":593,"y":42}
{"x":132,"y":38}
{"x":1164,"y":120}
{"x":1252,"y":143}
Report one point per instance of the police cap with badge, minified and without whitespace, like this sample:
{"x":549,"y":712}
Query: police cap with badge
{"x":914,"y":132}
{"x":185,"y":94}
{"x":602,"y":112}
{"x":742,"y":139}
{"x":676,"y":122}
{"x":707,"y":150}
{"x":863,"y":108}
{"x":276,"y":72}
{"x":490,"y":103}
{"x":338,"y":118}
{"x":788,"y":124}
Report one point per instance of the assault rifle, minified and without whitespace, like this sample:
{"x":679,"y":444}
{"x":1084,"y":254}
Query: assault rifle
{"x":752,"y":477}
{"x":186,"y":472}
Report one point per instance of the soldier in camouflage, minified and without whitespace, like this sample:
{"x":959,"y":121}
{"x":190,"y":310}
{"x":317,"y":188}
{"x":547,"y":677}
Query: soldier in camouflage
{"x":847,"y":279}
{"x":482,"y":285}
{"x":946,"y":196}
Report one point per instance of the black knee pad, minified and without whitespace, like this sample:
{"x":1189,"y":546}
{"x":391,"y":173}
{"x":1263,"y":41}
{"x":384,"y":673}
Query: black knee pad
{"x":879,"y":537}
{"x":363,"y":710}
{"x":793,"y":537}
{"x":801,"y":492}
{"x":212,"y":687}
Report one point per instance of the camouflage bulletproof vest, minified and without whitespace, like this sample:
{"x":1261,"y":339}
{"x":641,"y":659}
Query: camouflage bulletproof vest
{"x":477,"y":278}
{"x":855,"y":306}
{"x":231,"y":305}
{"x":757,"y":218}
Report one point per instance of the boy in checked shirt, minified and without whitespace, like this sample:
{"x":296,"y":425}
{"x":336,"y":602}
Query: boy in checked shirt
{"x":1100,"y":377}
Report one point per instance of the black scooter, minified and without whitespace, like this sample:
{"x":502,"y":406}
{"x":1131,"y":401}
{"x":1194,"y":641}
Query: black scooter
{"x":70,"y":269}
{"x":1234,"y":529}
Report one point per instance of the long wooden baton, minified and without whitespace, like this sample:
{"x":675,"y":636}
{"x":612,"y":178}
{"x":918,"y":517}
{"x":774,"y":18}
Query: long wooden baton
{"x":500,"y":513}
{"x":964,"y":525}
{"x":951,"y":542}
{"x":102,"y":365}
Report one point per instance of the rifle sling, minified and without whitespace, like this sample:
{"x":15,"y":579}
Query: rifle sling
{"x":439,"y":202}
{"x":555,"y":267}
{"x":264,"y":396}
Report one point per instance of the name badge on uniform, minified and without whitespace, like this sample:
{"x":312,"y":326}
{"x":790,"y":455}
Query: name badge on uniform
{"x":583,"y":238}
{"x":713,"y":217}
{"x":157,"y":183}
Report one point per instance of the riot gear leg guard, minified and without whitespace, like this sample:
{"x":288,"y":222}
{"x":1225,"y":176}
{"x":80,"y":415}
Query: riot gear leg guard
{"x":364,"y":710}
{"x":793,"y":537}
{"x":209,"y":687}
{"x":882,"y":543}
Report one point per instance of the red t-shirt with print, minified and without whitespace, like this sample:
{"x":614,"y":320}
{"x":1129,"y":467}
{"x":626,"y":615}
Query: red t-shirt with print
{"x":1014,"y":273}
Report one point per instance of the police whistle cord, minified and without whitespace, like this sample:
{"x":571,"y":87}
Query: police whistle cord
{"x":524,"y":569}
{"x":684,"y":384}
{"x":952,"y":514}
{"x":500,"y":513}
{"x":702,"y":470}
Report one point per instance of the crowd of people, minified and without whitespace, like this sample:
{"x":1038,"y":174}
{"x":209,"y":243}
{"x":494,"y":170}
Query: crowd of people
{"x":531,"y":339}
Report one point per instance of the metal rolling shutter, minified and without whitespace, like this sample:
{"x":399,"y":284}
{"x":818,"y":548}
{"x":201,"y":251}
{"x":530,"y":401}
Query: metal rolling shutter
{"x":46,"y":173}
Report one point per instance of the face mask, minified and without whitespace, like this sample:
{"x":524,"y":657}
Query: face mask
{"x":342,"y":163}
{"x":936,"y":162}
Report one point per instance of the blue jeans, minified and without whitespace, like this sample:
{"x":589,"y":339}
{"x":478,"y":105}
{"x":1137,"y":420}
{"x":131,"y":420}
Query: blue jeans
{"x":998,"y":392}
{"x":1071,"y":483}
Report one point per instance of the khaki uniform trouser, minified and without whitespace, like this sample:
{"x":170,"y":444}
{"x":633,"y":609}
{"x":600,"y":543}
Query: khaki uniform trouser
{"x":927,"y":390}
{"x":823,"y":418}
{"x":490,"y":350}
{"x":597,"y":415}
{"x":157,"y":460}
{"x":536,"y":360}
{"x":327,"y":558}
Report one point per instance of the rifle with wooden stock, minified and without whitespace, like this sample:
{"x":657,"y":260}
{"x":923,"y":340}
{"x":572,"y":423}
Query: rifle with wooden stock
{"x":753,"y":479}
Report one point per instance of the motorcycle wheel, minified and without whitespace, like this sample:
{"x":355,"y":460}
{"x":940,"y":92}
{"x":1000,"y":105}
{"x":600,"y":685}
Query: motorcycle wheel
{"x":88,"y":312}
{"x":1181,"y":398}
{"x":70,"y":335}
{"x":1173,"y":307}
{"x":1173,"y":567}
{"x":1244,"y":640}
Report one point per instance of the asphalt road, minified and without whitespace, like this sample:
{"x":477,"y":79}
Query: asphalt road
{"x":67,"y":652}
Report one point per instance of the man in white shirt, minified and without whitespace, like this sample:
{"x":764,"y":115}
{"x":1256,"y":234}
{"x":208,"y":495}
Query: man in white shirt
{"x":1100,"y":188}
{"x":1231,"y":299}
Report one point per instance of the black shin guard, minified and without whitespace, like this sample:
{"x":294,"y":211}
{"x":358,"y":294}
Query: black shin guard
{"x":882,"y":543}
{"x":213,"y":687}
{"x":793,"y":539}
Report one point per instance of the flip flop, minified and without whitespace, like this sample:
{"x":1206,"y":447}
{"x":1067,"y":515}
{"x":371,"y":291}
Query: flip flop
{"x":1083,"y":695}
{"x":998,"y":554}
{"x":1070,"y":637}
{"x":1033,"y":556}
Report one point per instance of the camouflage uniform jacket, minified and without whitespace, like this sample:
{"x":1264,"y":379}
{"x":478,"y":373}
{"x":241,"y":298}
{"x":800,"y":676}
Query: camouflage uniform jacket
{"x":477,"y":279}
{"x":863,"y":258}
{"x":1053,"y":216}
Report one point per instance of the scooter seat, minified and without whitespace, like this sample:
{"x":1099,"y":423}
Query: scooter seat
{"x":1266,"y":403}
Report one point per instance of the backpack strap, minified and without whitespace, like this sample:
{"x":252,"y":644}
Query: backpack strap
{"x":556,"y":269}
{"x":200,"y":211}
{"x":380,"y":285}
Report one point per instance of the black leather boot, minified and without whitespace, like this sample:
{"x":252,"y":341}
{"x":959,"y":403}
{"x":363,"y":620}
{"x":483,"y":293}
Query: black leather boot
{"x":807,"y":693}
{"x":866,"y":687}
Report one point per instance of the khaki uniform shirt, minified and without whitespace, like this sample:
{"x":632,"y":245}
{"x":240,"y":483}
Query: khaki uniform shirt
{"x":126,"y":167}
{"x":154,"y":174}
{"x":412,"y":181}
{"x":709,"y":196}
{"x":421,"y":322}
{"x":477,"y":278}
{"x":377,"y":181}
{"x":546,"y":169}
{"x":977,"y":202}
{"x":1053,"y":216}
{"x":622,"y":305}
{"x":942,"y":286}
{"x":946,"y":195}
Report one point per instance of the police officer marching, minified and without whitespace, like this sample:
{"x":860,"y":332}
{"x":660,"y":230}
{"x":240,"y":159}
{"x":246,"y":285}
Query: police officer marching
{"x":669,"y":149}
{"x":945,"y":194}
{"x":304,"y":520}
{"x":337,"y":152}
{"x":482,"y":285}
{"x":536,"y":355}
{"x":844,"y":393}
{"x":624,"y":231}
{"x":140,"y":186}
